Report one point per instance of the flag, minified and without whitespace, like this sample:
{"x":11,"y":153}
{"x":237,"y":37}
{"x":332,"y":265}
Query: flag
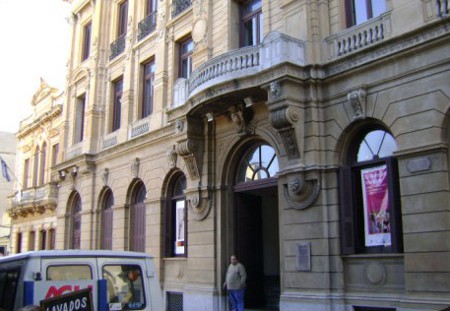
{"x":5,"y":171}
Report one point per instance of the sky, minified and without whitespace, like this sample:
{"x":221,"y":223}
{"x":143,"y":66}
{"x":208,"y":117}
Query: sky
{"x":35,"y":36}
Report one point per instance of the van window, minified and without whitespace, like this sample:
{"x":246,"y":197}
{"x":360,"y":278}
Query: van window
{"x":125,"y":288}
{"x":69,"y":272}
{"x":8,"y":286}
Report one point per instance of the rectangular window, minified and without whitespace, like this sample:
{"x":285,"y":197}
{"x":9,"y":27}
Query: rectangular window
{"x":19,"y":243}
{"x":52,"y":237}
{"x":43,"y":239}
{"x":68,"y":272}
{"x":125,"y":287}
{"x":251,"y":23}
{"x":180,"y":225}
{"x":55,"y":151}
{"x":86,"y":41}
{"x":79,"y":118}
{"x":117,"y":104}
{"x":26,"y":172}
{"x":148,"y":89}
{"x":31,"y":241}
{"x":359,"y":11}
{"x":185,"y":60}
{"x":123,"y":19}
{"x":151,"y":6}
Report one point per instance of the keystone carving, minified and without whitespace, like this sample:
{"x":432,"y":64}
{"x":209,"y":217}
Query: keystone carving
{"x":300,"y":192}
{"x":356,"y":100}
{"x":135,"y":168}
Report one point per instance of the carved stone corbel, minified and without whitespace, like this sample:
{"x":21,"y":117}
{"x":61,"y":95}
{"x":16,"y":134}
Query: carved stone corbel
{"x":188,"y":149}
{"x":199,"y":202}
{"x":356,"y":102}
{"x":243,"y":119}
{"x":301,"y":192}
{"x":284,"y":121}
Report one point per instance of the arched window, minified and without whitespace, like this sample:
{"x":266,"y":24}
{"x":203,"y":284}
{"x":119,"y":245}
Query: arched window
{"x":137,"y":218}
{"x":176,"y":220}
{"x":75,"y":205}
{"x":42,"y":165}
{"x":107,"y":220}
{"x":370,"y":216}
{"x":259,"y":163}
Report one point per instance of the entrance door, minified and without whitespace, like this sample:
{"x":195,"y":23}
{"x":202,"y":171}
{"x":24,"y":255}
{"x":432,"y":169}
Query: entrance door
{"x":257,"y":246}
{"x":249,"y":247}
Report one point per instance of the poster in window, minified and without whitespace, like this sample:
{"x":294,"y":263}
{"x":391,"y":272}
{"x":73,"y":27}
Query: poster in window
{"x":377,"y":227}
{"x":179,"y":228}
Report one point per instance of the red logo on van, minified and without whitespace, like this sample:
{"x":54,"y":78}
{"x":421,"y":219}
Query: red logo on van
{"x":54,"y":291}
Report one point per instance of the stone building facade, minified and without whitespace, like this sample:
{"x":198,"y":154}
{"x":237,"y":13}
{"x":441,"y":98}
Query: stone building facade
{"x":32,"y":207}
{"x":310,"y":138}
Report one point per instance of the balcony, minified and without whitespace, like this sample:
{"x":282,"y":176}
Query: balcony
{"x":109,"y":140}
{"x":179,"y":6}
{"x":147,"y":26}
{"x":276,"y":48}
{"x":34,"y":200}
{"x":139,"y":128}
{"x":117,"y":47}
{"x":359,"y":37}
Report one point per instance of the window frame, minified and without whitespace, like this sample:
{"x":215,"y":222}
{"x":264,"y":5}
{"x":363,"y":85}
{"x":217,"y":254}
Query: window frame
{"x":86,"y":47}
{"x":122,"y":18}
{"x":187,"y":56}
{"x":116,"y":114}
{"x":176,"y":195}
{"x":148,"y":76}
{"x":80,"y":118}
{"x":351,"y":14}
{"x":351,"y":202}
{"x":256,"y":15}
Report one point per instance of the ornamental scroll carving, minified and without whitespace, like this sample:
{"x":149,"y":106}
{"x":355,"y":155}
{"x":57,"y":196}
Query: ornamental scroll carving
{"x":284,"y":121}
{"x":300,"y":192}
{"x":199,"y":202}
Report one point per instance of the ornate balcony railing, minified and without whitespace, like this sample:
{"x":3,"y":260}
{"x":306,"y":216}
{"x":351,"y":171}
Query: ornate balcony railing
{"x":139,"y":127}
{"x":35,"y":199}
{"x":109,"y":140}
{"x":443,"y":8}
{"x":276,"y":48}
{"x":147,"y":25}
{"x":117,"y":47}
{"x":179,"y":6}
{"x":359,"y":37}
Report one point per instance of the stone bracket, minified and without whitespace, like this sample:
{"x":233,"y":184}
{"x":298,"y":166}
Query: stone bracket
{"x":285,"y":120}
{"x":301,"y":192}
{"x":188,"y":149}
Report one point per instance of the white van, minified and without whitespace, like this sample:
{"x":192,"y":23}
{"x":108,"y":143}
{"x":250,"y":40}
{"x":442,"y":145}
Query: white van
{"x":118,"y":280}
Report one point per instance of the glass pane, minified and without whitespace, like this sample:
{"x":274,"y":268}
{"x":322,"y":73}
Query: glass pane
{"x":378,"y":7}
{"x":125,"y":288}
{"x":248,"y":33}
{"x":376,"y":144}
{"x":69,"y":272}
{"x":180,"y":223}
{"x":361,"y":11}
{"x":261,"y":163}
{"x":253,"y":6}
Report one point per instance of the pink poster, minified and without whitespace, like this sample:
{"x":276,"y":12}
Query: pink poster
{"x":377,"y":225}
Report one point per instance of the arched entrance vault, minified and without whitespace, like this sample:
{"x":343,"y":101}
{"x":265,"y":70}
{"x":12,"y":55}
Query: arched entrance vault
{"x":254,"y":215}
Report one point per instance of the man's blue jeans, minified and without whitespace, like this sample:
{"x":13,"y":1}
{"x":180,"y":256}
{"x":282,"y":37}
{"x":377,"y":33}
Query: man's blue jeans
{"x":236,"y":299}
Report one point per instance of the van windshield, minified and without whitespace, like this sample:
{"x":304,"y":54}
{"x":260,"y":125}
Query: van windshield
{"x":125,"y":287}
{"x":69,"y":272}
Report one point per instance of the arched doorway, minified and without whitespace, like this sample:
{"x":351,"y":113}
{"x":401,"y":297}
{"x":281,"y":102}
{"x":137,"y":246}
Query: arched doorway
{"x":256,"y":232}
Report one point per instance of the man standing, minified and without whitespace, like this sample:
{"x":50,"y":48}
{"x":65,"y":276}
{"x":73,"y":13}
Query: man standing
{"x":235,"y":284}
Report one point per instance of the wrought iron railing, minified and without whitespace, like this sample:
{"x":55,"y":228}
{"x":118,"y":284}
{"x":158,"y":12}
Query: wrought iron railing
{"x":443,"y":8}
{"x":147,"y":25}
{"x":117,"y":47}
{"x":179,"y":6}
